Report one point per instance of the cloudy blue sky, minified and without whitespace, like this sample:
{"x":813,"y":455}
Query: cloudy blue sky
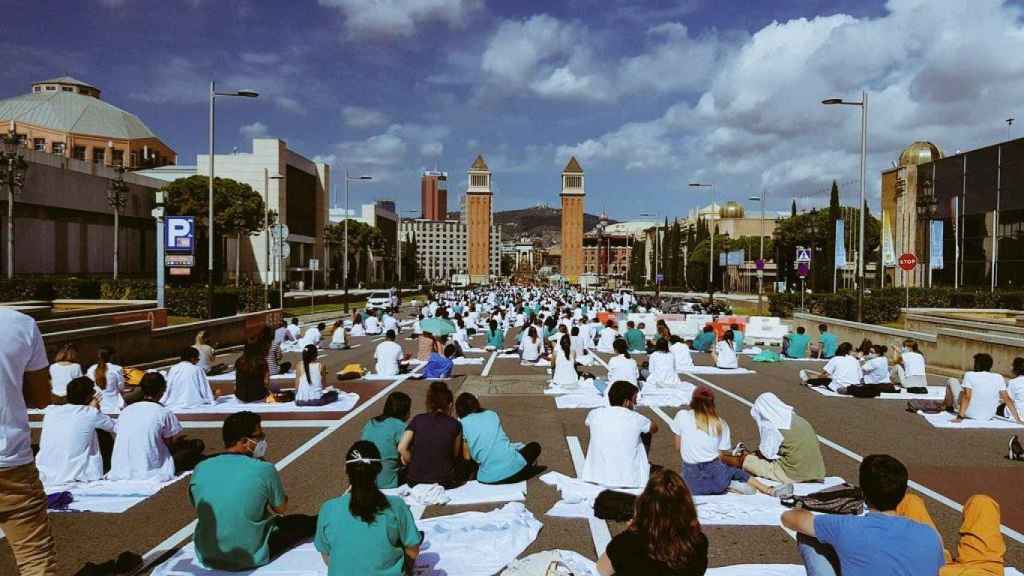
{"x":648,"y":95}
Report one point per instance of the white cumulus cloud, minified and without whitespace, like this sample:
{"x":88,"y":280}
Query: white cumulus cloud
{"x":388,"y":18}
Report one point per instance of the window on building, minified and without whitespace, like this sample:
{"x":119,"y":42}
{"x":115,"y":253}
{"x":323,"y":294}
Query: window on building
{"x":51,"y":88}
{"x":117,"y":158}
{"x":37,"y":89}
{"x":39,"y":144}
{"x":57,"y":147}
{"x":478,"y":180}
{"x":66,"y":89}
{"x":98,"y":155}
{"x":78,"y":153}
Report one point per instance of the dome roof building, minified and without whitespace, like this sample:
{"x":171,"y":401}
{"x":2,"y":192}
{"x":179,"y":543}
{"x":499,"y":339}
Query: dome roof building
{"x":920,"y":153}
{"x":731,"y":209}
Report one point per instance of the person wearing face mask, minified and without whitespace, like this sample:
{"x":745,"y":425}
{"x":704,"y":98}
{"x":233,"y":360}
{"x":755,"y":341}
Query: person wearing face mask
{"x":240,"y":524}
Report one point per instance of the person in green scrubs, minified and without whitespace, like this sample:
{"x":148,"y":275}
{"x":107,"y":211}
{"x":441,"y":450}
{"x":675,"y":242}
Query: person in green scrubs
{"x":827,"y":342}
{"x":635,"y":338}
{"x":705,"y":341}
{"x":737,"y":338}
{"x":385,"y":431}
{"x":363,"y":531}
{"x":486,"y":444}
{"x":239,"y":501}
{"x":495,"y":337}
{"x":796,"y":344}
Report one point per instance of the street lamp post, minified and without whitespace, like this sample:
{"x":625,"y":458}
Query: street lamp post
{"x":117,"y":198}
{"x":711,"y":257}
{"x":344,"y":279}
{"x":209,"y":230}
{"x":266,"y":232}
{"x":863,"y":203}
{"x":12,"y":174}
{"x":760,"y":271}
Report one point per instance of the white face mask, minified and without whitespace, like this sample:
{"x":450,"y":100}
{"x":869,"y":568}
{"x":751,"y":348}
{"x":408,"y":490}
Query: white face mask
{"x":260,"y":450}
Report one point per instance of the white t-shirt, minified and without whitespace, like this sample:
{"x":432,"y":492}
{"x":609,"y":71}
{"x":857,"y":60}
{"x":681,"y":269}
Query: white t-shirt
{"x":985,"y":388}
{"x":111,"y":400}
{"x":913,"y":363}
{"x":390,"y":323}
{"x":622,"y":368}
{"x":187,"y":387}
{"x":681,"y":353}
{"x":1015,"y":388}
{"x":312,"y":336}
{"x":607,"y":339}
{"x":845,"y":372}
{"x":338,"y":336}
{"x":662,"y":369}
{"x":531,"y":350}
{"x":295,"y":331}
{"x":565,"y":369}
{"x":697,"y":445}
{"x":388,"y":355}
{"x":371,"y":325}
{"x":140,"y":452}
{"x":61,"y":374}
{"x":616,"y":455}
{"x":21,"y":350}
{"x":68,"y":448}
{"x":876,"y":370}
{"x":726,"y":355}
{"x":310,"y":386}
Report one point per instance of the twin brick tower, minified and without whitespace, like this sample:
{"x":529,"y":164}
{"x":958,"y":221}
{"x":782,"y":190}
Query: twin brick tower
{"x":478,"y":221}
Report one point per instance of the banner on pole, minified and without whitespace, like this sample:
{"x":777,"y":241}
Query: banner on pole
{"x":935,"y":260}
{"x":840,"y":245}
{"x":888,"y":251}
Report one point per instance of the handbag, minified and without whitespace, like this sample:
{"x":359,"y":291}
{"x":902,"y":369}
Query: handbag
{"x":840,"y":499}
{"x":864,"y":391}
{"x":612,"y":505}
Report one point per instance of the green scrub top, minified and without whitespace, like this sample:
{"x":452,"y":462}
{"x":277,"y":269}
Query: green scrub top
{"x":798,"y":345}
{"x":355,"y":547}
{"x":490,"y":447}
{"x":385,"y":436}
{"x":636,"y":340}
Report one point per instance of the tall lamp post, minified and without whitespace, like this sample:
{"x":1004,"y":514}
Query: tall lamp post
{"x":344,"y":280}
{"x":209,"y":260}
{"x":760,"y":271}
{"x":117,"y":198}
{"x":266,"y":232}
{"x":711,"y":257}
{"x":12,"y":175}
{"x":863,"y":203}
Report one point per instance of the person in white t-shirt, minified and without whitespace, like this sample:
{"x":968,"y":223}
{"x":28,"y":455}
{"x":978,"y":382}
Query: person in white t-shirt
{"x":309,"y":380}
{"x":150,"y":445}
{"x":662,"y":366}
{"x":187,"y":386}
{"x":389,"y":356}
{"x":1015,"y":390}
{"x":909,"y":369}
{"x":681,"y":353}
{"x":979,"y":395}
{"x":24,"y":383}
{"x":531,"y":347}
{"x":565,"y":374}
{"x":606,"y":338}
{"x":840,"y":373}
{"x":339,"y":338}
{"x":371,"y":324}
{"x":619,"y":441}
{"x":64,"y":369}
{"x":294,"y":329}
{"x":724,"y":352}
{"x":69,"y":447}
{"x":109,"y":379}
{"x":875,"y":366}
{"x":313,"y":335}
{"x":390,"y":322}
{"x":622,"y":366}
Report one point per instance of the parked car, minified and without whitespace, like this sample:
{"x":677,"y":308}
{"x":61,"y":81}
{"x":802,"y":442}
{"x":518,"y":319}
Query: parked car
{"x":378,"y":301}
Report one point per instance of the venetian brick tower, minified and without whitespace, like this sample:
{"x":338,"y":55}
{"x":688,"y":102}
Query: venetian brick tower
{"x":478,"y":221}
{"x":572,"y":221}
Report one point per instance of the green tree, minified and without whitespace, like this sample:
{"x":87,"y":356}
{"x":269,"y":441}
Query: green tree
{"x":362,"y":239}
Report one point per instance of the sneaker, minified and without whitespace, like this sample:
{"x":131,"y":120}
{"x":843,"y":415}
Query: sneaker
{"x":739,"y":449}
{"x":784,"y":491}
{"x":741,"y":488}
{"x":804,"y":377}
{"x":1016,"y":449}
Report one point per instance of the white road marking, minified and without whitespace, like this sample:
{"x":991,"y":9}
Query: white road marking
{"x":217,"y":424}
{"x":490,"y":362}
{"x":599,"y":532}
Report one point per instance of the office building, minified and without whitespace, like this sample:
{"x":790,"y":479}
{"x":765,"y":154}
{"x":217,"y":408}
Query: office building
{"x":434,"y":195}
{"x":442,"y":248}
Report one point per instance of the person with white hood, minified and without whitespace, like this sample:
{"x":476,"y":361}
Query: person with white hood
{"x":788,"y":452}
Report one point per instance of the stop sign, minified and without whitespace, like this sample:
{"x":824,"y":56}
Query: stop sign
{"x":908,"y":261}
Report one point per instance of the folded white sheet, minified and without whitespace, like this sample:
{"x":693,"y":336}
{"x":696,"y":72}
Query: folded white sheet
{"x":470,"y":493}
{"x":758,"y":569}
{"x":537,"y":364}
{"x":229,"y":405}
{"x":538,"y":563}
{"x":108,"y":496}
{"x":716,"y":370}
{"x":508,"y":356}
{"x":945,"y":420}
{"x":230,"y":377}
{"x":463,"y":361}
{"x":453,"y":544}
{"x":934,"y":393}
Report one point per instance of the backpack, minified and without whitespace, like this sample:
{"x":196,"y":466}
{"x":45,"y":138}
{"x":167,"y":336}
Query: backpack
{"x":839,"y":499}
{"x":612,"y":505}
{"x":864,"y":391}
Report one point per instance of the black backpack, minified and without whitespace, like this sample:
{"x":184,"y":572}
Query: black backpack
{"x":612,"y":505}
{"x":840,"y":499}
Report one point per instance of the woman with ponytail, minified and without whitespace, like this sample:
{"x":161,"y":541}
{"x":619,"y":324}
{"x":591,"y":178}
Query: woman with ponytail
{"x":565,"y":363}
{"x":364,"y":531}
{"x":309,"y":378}
{"x":109,"y":379}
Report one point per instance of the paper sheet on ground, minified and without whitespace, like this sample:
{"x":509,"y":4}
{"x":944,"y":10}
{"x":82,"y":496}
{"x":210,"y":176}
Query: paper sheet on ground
{"x":376,"y":377}
{"x":229,"y":405}
{"x":468,"y":494}
{"x":463,"y":361}
{"x":934,"y":393}
{"x":508,"y":356}
{"x":588,"y":397}
{"x":537,"y":364}
{"x":945,"y":420}
{"x":716,"y":370}
{"x":577,"y":496}
{"x":108,"y":496}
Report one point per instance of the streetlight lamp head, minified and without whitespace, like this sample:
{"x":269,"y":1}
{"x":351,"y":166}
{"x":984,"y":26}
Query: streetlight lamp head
{"x":831,"y":101}
{"x":754,"y":198}
{"x":366,"y":177}
{"x":247,"y":93}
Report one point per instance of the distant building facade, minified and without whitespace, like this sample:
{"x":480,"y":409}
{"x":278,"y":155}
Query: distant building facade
{"x":479,"y":222}
{"x":383,"y":262}
{"x":442,"y":247}
{"x":573,"y":194}
{"x":434,"y":195}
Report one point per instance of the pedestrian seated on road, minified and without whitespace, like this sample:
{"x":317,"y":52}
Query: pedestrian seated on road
{"x":980,"y":394}
{"x":313,"y":335}
{"x":909,"y":369}
{"x":494,"y":335}
{"x":886,"y":540}
{"x":705,"y":341}
{"x":440,"y":364}
{"x":661,"y":366}
{"x":109,"y":379}
{"x":681,"y":353}
{"x":635,"y":338}
{"x":795,"y":345}
{"x":531,"y":347}
{"x":840,"y":374}
{"x":385,"y":431}
{"x":701,"y":437}
{"x":70,"y":449}
{"x":208,"y":355}
{"x":187,"y":386}
{"x":737,"y":338}
{"x":389,"y":322}
{"x":339,"y":337}
{"x":620,"y":439}
{"x":486,"y":446}
{"x":64,"y":369}
{"x":240,"y":502}
{"x":294,"y":330}
{"x":1015,"y":390}
{"x":875,"y":367}
{"x":622,"y":366}
{"x":252,"y":374}
{"x":724,"y":352}
{"x":827,"y":343}
{"x":606,"y":338}
{"x":431,"y":446}
{"x":391,"y":360}
{"x":565,"y":373}
{"x":309,"y":380}
{"x":371,"y":324}
{"x":364,"y":531}
{"x":150,"y":444}
{"x":788,"y":451}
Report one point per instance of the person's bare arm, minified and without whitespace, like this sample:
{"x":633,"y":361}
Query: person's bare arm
{"x":678,"y":443}
{"x":1011,"y":406}
{"x":36,"y":388}
{"x":800,"y":521}
{"x":458,"y":447}
{"x":604,"y":566}
{"x":465,"y":451}
{"x":965,"y":403}
{"x":654,"y":429}
{"x":405,"y":447}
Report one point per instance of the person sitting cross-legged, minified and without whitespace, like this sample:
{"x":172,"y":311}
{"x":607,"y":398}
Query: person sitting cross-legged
{"x":705,"y":341}
{"x":788,"y":451}
{"x":431,"y":446}
{"x":724,"y":352}
{"x":240,"y":502}
{"x":486,"y":444}
{"x":980,"y":394}
{"x":841,"y":372}
{"x":795,"y":344}
{"x":635,"y":338}
{"x":662,"y":366}
{"x":389,"y":356}
{"x":69,"y":447}
{"x":187,"y":386}
{"x":385,"y":431}
{"x":619,"y":441}
{"x":309,"y":380}
{"x":981,"y":549}
{"x":879,"y":543}
{"x":365,"y":532}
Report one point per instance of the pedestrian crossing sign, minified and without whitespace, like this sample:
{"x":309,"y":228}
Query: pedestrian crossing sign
{"x":803,"y":255}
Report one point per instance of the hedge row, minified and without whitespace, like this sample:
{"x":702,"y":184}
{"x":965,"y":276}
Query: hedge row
{"x":882,"y":306}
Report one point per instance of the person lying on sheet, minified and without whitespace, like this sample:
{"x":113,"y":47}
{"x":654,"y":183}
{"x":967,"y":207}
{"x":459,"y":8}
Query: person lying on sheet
{"x":705,"y":341}
{"x":391,"y":360}
{"x":788,"y":452}
{"x":69,"y":447}
{"x":150,"y":444}
{"x":724,"y":352}
{"x":187,"y":386}
{"x":980,"y":394}
{"x":240,"y":501}
{"x":619,"y":441}
{"x":440,"y":366}
{"x":487,"y":448}
{"x":309,"y":380}
{"x":840,"y":373}
{"x":365,"y":532}
{"x":385,"y":431}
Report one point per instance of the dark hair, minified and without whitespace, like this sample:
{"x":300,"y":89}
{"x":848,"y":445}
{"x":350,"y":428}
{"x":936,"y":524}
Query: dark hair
{"x":398,"y":405}
{"x":153,"y":385}
{"x":493,"y":324}
{"x":67,"y":353}
{"x":982,"y":362}
{"x":664,"y":515}
{"x":566,"y":343}
{"x":630,"y":324}
{"x":390,"y":334}
{"x":532,"y":333}
{"x":661,"y":345}
{"x":190,"y":354}
{"x":822,"y":328}
{"x":883,"y":480}
{"x":1018,"y":366}
{"x":728,"y":336}
{"x":439,"y":397}
{"x":734,"y":326}
{"x":844,"y":349}
{"x":253,"y":361}
{"x":81,"y":391}
{"x":450,"y":350}
{"x":799,"y":329}
{"x":365,"y":500}
{"x":103,"y":356}
{"x":321,"y":326}
{"x":621,"y":347}
{"x":309,"y":354}
{"x":467,"y":404}
{"x":620,"y":392}
{"x":880,"y":349}
{"x":238,"y":426}
{"x":910,"y":344}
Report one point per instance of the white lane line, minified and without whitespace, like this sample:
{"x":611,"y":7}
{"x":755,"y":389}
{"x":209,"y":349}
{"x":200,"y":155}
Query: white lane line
{"x":490,"y":362}
{"x":217,"y":424}
{"x":599,"y":532}
{"x":661,"y":414}
{"x":179,"y":537}
{"x":945,"y":500}
{"x":600,"y":360}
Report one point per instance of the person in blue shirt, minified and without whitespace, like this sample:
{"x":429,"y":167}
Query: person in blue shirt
{"x":363,"y":531}
{"x":705,"y":341}
{"x":440,"y":365}
{"x":486,"y":444}
{"x":385,"y":431}
{"x":795,"y":345}
{"x":879,"y":543}
{"x":827,"y":342}
{"x":737,"y":338}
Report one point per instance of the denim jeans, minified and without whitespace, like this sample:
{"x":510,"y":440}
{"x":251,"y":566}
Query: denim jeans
{"x":819,"y":559}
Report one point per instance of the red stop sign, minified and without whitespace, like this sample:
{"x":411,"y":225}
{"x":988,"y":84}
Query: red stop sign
{"x":908,"y":261}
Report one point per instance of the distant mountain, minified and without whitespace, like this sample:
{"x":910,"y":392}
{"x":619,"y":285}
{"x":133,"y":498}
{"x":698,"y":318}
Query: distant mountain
{"x":543,"y":222}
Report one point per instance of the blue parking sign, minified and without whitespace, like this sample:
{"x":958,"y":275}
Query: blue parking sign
{"x":180,"y":235}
